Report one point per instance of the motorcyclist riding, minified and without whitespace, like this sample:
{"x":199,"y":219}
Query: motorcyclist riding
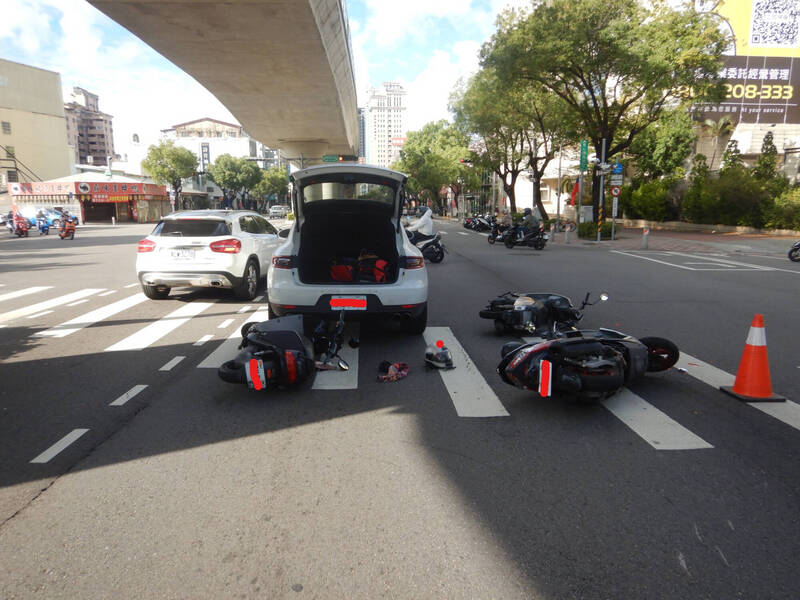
{"x":422,"y":229}
{"x":530,"y":223}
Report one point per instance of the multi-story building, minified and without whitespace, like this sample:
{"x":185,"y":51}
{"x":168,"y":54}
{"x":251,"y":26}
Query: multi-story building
{"x":89,"y":131}
{"x":362,"y":130}
{"x":208,"y":139}
{"x":385,"y":123}
{"x":33,"y":137}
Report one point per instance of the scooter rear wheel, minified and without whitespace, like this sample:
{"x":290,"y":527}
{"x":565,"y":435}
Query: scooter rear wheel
{"x":509,"y":243}
{"x":232,"y":372}
{"x":661,"y":353}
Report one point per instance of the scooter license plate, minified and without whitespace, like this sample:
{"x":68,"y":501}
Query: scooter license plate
{"x":348,"y":303}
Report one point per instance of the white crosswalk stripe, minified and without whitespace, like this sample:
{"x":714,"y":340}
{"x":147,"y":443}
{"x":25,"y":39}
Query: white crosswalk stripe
{"x":155,"y":331}
{"x":471,"y":395}
{"x":24,"y":292}
{"x":47,"y":304}
{"x":652,"y":425}
{"x":228,"y":349}
{"x":788,"y":411}
{"x":92,"y":317}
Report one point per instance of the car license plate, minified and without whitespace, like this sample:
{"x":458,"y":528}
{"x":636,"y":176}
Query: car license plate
{"x":348,"y":303}
{"x":182,"y":253}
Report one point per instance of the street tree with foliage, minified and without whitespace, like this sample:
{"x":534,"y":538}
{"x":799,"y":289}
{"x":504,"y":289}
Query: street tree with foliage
{"x":518,"y":125}
{"x":432,"y":159}
{"x":274,"y":182}
{"x":662,"y":148}
{"x":236,"y":176}
{"x":617,"y":64}
{"x":169,"y":165}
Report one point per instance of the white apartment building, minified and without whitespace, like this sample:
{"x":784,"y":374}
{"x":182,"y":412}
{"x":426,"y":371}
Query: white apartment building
{"x":385,"y":123}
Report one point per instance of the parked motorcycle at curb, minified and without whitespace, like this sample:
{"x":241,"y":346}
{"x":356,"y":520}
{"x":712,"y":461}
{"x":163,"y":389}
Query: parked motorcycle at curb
{"x":543,"y":314}
{"x":431,"y":246}
{"x":587,"y":366}
{"x":534,"y":239}
{"x":794,"y":252}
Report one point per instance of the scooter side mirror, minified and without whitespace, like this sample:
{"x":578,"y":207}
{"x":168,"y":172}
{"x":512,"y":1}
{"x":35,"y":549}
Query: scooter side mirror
{"x":343,"y":365}
{"x":603,"y":296}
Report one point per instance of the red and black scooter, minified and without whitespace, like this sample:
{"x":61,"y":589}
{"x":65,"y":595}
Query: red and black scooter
{"x":67,"y":229}
{"x":21,"y":226}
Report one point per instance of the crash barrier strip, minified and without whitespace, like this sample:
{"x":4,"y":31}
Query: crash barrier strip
{"x":230,"y":347}
{"x":788,"y":412}
{"x":471,"y":395}
{"x":337,"y":379}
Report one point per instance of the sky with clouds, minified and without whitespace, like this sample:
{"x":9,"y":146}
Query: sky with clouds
{"x":426,"y":45}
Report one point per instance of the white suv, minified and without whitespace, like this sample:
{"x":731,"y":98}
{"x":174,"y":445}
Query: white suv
{"x":343,"y":212}
{"x":206,"y":248}
{"x":278,"y":211}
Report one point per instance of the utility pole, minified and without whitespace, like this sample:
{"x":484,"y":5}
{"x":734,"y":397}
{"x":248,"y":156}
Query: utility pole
{"x":602,"y":195}
{"x":558,"y":196}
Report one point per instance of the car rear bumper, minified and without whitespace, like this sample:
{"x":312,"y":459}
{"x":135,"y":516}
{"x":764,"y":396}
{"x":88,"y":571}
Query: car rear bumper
{"x":374,"y":307}
{"x":218,"y":279}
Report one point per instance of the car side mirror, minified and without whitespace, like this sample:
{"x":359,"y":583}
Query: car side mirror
{"x":283,"y":233}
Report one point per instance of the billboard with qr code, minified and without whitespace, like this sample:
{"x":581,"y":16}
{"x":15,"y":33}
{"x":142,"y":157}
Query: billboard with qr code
{"x":762,"y":27}
{"x":761,"y":68}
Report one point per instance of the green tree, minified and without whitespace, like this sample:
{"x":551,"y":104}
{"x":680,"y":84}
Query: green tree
{"x":432,"y":159}
{"x":274,"y":181}
{"x":517,"y":124}
{"x":617,"y":64}
{"x":767,"y":166}
{"x":718,"y":130}
{"x":236,"y":176}
{"x":169,"y":165}
{"x":732,"y":157}
{"x":664,"y":146}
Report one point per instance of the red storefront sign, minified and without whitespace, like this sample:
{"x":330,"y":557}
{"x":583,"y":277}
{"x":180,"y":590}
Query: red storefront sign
{"x":100,"y":192}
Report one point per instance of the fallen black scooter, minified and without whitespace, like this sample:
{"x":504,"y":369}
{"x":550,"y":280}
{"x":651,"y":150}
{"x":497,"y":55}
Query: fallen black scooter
{"x":542,"y":314}
{"x":794,"y":252}
{"x":584,"y":365}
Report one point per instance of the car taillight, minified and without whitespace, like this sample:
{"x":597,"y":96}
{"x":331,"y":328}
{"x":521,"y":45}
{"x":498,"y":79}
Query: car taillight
{"x":230,"y":246}
{"x":413,"y":262}
{"x":282,"y":262}
{"x":146,"y":245}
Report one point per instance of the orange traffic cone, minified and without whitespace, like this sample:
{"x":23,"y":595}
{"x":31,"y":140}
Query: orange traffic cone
{"x":752,"y":379}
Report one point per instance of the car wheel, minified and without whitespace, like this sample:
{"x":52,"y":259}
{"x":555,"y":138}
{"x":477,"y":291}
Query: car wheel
{"x":416,"y":325}
{"x":155,"y":292}
{"x":247,"y":289}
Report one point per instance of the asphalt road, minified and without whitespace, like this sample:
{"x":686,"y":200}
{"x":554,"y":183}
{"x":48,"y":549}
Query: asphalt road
{"x":174,"y":484}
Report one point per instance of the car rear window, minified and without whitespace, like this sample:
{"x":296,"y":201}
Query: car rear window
{"x":349,"y":189}
{"x":192,"y":228}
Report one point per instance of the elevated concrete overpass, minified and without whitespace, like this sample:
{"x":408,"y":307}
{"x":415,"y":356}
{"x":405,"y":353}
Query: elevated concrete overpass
{"x":283,"y":67}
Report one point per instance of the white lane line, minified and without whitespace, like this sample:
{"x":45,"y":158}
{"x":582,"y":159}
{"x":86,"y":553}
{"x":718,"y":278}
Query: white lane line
{"x":35,"y":308}
{"x":663,"y":262}
{"x":652,"y":425}
{"x":228,"y":348}
{"x":203,"y":340}
{"x":341,"y":380}
{"x":78,"y":302}
{"x":107,"y":293}
{"x":225,"y":324}
{"x":41,"y":314}
{"x":59,"y":446}
{"x":471,"y":395}
{"x":128,"y":395}
{"x":155,"y":331}
{"x":788,"y":411}
{"x":130,"y":285}
{"x":25,"y":292}
{"x":259,"y":299}
{"x":172,"y":364}
{"x":92,"y":317}
{"x":462,"y":233}
{"x":726,"y":261}
{"x":244,"y":309}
